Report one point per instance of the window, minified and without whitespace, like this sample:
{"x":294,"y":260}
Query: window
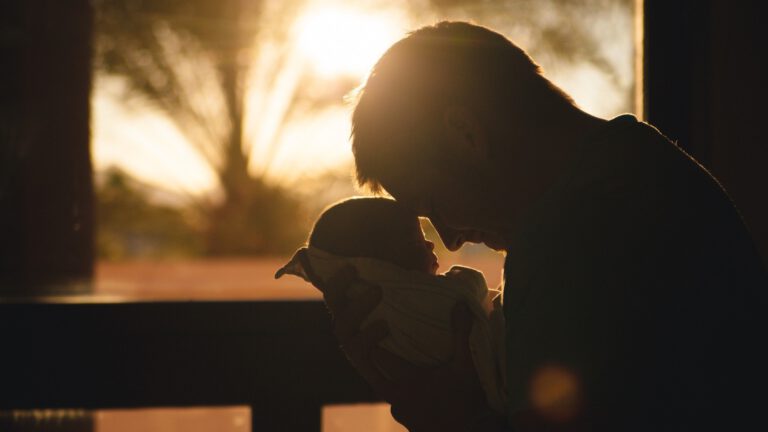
{"x":218,"y":131}
{"x":219,"y":134}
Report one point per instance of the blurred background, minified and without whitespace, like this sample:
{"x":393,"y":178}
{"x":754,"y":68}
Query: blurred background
{"x":220,"y":131}
{"x":181,"y":149}
{"x":154,"y":152}
{"x":220,"y":128}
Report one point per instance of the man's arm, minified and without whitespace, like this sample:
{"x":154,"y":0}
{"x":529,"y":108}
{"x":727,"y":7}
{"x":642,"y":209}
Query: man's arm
{"x":448,"y":398}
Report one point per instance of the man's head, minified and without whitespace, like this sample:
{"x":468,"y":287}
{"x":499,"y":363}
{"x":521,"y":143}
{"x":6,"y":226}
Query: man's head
{"x":373,"y":227}
{"x":435,"y":116}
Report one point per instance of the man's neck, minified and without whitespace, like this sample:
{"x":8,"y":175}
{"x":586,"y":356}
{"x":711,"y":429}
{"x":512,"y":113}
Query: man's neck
{"x":537,"y":157}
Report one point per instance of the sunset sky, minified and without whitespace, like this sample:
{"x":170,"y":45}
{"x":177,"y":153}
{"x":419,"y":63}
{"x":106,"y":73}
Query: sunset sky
{"x":330,"y":39}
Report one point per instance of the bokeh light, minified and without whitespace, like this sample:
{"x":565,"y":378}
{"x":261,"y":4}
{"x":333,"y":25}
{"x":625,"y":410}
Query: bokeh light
{"x":555,"y":393}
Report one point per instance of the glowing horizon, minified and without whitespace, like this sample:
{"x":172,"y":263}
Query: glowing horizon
{"x":328,"y":40}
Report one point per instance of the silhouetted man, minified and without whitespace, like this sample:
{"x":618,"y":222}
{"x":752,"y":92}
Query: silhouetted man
{"x":632,"y":290}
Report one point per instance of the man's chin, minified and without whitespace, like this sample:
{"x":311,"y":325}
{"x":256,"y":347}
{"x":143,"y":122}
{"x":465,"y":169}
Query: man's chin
{"x":496,"y":247}
{"x":435,"y":268}
{"x":495,"y":244}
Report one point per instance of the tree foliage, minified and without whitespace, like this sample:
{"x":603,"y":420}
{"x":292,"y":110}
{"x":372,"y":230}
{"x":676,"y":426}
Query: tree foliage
{"x":195,"y":60}
{"x":131,"y":225}
{"x":219,"y":68}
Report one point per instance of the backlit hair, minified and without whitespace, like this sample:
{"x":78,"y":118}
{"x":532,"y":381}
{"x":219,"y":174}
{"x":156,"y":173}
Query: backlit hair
{"x":398,"y":114}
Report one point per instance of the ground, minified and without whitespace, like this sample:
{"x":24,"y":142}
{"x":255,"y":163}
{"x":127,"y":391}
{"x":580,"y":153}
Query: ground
{"x":227,"y":279}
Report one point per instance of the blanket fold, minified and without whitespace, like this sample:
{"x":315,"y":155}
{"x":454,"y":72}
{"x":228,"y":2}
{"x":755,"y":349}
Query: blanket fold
{"x":417,"y":308}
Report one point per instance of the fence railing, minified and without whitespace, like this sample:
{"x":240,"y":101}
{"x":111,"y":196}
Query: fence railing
{"x":279,"y":358}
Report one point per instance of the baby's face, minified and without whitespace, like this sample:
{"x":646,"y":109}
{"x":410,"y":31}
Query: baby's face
{"x":418,"y":250}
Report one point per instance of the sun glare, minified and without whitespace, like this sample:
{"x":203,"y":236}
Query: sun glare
{"x":342,"y":40}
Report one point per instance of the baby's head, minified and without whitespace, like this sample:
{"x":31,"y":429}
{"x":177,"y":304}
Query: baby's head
{"x":378,"y":228}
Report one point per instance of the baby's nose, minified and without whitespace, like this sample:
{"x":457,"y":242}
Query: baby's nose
{"x":430,"y":245}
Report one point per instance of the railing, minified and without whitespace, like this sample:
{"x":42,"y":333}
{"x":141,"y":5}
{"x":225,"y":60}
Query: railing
{"x":279,"y":358}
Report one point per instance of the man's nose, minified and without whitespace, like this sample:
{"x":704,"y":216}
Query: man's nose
{"x":452,"y":239}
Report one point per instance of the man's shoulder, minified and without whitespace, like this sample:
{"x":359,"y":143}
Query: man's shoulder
{"x":635,"y":204}
{"x":635,"y":169}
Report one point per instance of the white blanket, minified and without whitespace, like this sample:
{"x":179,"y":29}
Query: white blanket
{"x":417,"y":308}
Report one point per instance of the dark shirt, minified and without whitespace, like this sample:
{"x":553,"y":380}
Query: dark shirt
{"x":633,"y":296}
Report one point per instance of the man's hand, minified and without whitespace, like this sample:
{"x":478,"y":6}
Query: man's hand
{"x":448,"y":398}
{"x":348,"y":315}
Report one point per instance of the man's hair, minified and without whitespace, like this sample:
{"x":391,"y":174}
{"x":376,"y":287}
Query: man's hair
{"x":373,"y":227}
{"x":399,"y":109}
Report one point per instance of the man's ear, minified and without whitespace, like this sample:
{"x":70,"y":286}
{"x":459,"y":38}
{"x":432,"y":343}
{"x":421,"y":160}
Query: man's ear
{"x":463,"y":128}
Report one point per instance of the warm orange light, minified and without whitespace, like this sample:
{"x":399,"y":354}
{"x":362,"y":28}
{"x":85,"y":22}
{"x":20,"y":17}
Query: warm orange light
{"x":342,"y":40}
{"x":555,"y":393}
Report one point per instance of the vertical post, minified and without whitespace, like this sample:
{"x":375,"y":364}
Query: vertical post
{"x":676,"y":77}
{"x":46,"y":204}
{"x":705,"y":87}
{"x":737,"y":109}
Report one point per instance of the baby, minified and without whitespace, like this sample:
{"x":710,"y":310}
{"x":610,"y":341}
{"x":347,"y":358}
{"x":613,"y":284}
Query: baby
{"x":385,"y":243}
{"x":377,"y":228}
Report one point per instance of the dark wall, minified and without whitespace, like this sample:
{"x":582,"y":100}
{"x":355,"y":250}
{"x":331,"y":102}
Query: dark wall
{"x":737,"y":98}
{"x":705,"y":72}
{"x":45,"y":170}
{"x":280,"y":358}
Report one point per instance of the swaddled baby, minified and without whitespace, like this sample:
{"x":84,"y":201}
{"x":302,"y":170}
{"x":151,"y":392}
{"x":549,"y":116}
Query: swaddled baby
{"x":385,"y":243}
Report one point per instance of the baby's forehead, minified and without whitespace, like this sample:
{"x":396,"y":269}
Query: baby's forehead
{"x":371,"y":216}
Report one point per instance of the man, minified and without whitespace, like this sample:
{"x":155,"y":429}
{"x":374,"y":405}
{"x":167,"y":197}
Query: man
{"x":632,"y":292}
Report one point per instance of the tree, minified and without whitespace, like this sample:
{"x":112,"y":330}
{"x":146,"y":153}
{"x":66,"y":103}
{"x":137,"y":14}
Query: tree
{"x":197,"y":60}
{"x":194,"y":60}
{"x":564,"y":32}
{"x":132,"y":224}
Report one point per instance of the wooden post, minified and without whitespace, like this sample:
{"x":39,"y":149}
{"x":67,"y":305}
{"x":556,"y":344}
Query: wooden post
{"x":46,"y":204}
{"x":705,"y":71}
